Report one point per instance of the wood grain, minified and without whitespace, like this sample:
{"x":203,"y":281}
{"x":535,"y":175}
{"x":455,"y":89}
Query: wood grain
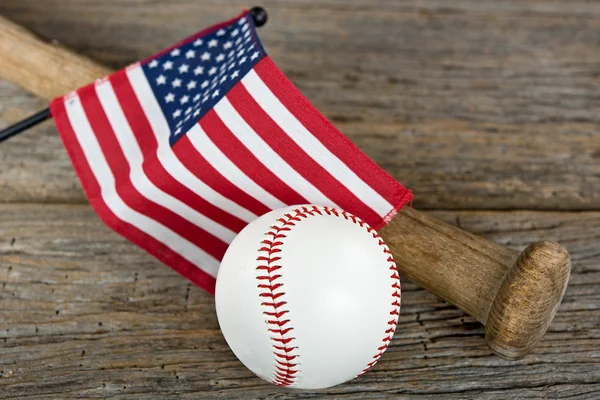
{"x":83,"y":313}
{"x":47,"y":71}
{"x":34,"y":165}
{"x":472,"y":104}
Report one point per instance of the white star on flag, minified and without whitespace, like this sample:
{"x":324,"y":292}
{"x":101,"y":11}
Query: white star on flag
{"x":168,"y":65}
{"x":190,"y":54}
{"x":235,"y":33}
{"x":161,"y":80}
{"x":205,"y":56}
{"x":212,"y":71}
{"x":220,"y":57}
{"x":177,"y":114}
{"x":175,"y":52}
{"x":184,"y":99}
{"x":235,"y":74}
{"x":153,"y":64}
{"x":198,"y":70}
{"x":216,"y":93}
{"x":221,"y":32}
{"x":176,"y":83}
{"x":170,"y":98}
{"x":204,"y":85}
{"x":184,"y":68}
{"x":213,"y":43}
{"x":191,"y":85}
{"x":254,"y":56}
{"x":227,"y":45}
{"x":198,"y":42}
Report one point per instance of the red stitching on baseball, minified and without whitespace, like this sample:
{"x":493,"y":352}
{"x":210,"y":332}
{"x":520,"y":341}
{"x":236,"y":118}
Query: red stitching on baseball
{"x":285,"y":370}
{"x":396,"y":301}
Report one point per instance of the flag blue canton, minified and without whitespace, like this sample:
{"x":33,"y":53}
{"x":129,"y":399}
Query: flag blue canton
{"x":190,"y":79}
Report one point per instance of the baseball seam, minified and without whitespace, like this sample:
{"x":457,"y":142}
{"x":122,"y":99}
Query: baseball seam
{"x":396,"y":303}
{"x":269,"y":282}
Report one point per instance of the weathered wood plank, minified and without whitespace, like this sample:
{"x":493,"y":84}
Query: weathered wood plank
{"x":85,"y":313}
{"x":474,"y":104}
{"x":34,"y":166}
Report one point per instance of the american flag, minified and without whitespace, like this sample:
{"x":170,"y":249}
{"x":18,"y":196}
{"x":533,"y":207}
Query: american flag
{"x":179,"y":152}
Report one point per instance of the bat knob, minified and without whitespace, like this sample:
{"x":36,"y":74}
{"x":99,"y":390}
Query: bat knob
{"x":259,"y":15}
{"x":527,"y":300}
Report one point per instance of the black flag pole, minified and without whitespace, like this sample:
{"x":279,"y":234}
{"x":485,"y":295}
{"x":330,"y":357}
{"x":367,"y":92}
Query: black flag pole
{"x":259,"y":15}
{"x":25,"y":124}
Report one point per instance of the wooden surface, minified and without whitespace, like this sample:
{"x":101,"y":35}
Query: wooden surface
{"x":515,"y":296}
{"x":475,"y":105}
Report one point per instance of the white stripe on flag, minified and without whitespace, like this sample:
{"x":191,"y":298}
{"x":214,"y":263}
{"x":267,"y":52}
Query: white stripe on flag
{"x":311,"y":145}
{"x":165,"y":154}
{"x":106,"y":180}
{"x":257,"y":146}
{"x":138,"y":177}
{"x":228,"y":169}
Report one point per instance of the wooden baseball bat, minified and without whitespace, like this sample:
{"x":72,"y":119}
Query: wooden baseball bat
{"x":514,"y":295}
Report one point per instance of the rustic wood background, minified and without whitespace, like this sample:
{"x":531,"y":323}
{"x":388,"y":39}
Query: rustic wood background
{"x":489,"y":110}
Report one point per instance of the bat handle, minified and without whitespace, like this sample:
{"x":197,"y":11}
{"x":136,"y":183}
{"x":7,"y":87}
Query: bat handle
{"x":515,"y":295}
{"x":527,"y":299}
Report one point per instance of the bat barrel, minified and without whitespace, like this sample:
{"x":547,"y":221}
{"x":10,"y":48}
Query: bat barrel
{"x":44,"y":69}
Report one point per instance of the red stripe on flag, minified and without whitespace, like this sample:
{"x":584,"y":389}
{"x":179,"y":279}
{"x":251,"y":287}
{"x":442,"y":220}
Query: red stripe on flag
{"x":226,"y":141}
{"x":196,"y":164}
{"x":130,"y":232}
{"x":295,"y":156}
{"x":119,"y":166}
{"x":153,"y":167}
{"x":329,"y":135}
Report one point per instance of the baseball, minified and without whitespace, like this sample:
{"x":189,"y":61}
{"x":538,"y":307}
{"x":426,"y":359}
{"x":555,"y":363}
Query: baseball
{"x":308,"y":296}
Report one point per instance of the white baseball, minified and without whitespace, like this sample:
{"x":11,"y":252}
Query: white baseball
{"x":308,"y":296}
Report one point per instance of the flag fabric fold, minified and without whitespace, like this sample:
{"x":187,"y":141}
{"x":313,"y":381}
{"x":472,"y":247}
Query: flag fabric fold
{"x":179,"y":152}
